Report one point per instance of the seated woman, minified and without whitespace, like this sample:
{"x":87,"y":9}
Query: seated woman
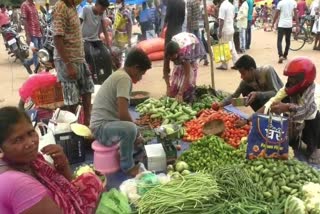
{"x":28,"y":183}
{"x":184,"y":49}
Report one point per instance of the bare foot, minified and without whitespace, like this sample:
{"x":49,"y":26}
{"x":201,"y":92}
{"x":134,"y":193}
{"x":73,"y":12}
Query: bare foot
{"x":315,"y":157}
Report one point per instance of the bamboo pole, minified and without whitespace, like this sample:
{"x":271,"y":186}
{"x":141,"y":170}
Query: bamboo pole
{"x":206,"y":24}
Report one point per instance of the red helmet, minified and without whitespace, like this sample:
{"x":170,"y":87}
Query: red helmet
{"x":300,"y":65}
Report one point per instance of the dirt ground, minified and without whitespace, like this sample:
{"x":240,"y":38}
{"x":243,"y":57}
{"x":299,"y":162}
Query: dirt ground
{"x":263,"y":49}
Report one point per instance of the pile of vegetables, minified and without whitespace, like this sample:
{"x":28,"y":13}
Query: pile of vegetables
{"x":147,"y":134}
{"x":146,"y":120}
{"x":240,"y":194}
{"x":189,"y":194}
{"x":210,"y":152}
{"x":279,"y":178}
{"x":113,"y":202}
{"x":232,"y":135}
{"x":180,"y":168}
{"x":272,"y":181}
{"x":310,"y":204}
{"x":205,"y":96}
{"x":168,"y":110}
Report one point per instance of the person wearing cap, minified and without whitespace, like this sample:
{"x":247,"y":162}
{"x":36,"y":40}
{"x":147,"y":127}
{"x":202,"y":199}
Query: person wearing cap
{"x":258,"y":84}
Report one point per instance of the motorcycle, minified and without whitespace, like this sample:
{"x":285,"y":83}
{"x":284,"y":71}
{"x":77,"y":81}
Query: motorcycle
{"x":14,"y":43}
{"x":45,"y":54}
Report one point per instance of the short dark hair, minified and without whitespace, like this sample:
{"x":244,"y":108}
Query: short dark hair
{"x":2,"y":6}
{"x":172,"y":48}
{"x":245,"y":62}
{"x":10,"y":116}
{"x":103,"y":3}
{"x":137,"y":57}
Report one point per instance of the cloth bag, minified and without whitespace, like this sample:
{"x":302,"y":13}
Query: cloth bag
{"x":221,"y":52}
{"x":268,"y":137}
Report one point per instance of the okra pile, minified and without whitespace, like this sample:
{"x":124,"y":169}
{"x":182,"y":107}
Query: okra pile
{"x":168,"y":109}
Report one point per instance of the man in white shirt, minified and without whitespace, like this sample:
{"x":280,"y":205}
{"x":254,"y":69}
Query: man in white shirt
{"x":226,"y":30}
{"x":286,"y":9}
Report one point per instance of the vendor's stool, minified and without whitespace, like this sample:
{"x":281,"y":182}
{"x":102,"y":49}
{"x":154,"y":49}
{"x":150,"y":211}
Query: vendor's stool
{"x":106,"y":159}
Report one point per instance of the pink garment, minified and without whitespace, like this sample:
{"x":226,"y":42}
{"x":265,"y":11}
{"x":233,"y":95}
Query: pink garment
{"x":4,"y":19}
{"x":301,"y":7}
{"x":19,"y":192}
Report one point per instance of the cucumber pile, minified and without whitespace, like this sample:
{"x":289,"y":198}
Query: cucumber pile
{"x":168,"y":109}
{"x":279,"y":179}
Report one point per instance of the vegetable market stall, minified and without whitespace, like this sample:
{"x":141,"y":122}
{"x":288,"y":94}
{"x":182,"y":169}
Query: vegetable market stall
{"x":212,"y":174}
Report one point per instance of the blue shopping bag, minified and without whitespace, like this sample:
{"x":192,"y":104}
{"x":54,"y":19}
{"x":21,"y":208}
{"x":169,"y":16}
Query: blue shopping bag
{"x":268,"y":137}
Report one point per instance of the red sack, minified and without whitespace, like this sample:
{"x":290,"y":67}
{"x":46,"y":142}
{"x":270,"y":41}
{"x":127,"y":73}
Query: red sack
{"x":152,"y":45}
{"x":159,"y":55}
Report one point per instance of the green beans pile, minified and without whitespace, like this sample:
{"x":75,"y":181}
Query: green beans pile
{"x":189,"y":194}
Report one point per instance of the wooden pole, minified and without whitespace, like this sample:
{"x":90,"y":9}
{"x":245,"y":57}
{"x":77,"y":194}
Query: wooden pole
{"x":206,"y":24}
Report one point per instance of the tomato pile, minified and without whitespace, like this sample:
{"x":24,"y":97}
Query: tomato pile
{"x":232,"y":135}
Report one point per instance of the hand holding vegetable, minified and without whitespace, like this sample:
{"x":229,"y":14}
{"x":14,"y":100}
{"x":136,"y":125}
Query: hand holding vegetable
{"x":60,"y":160}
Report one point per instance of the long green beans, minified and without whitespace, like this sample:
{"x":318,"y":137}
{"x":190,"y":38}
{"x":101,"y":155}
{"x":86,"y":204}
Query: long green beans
{"x":189,"y":193}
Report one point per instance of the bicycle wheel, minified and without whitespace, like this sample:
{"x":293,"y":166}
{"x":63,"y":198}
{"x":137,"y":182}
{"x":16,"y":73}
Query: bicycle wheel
{"x":298,"y":40}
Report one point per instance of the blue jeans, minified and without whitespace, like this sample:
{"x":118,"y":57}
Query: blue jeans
{"x":111,"y":133}
{"x":243,"y":38}
{"x":37,"y":41}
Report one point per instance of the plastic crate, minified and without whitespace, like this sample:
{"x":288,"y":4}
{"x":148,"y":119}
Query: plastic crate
{"x":50,"y":97}
{"x":73,"y":146}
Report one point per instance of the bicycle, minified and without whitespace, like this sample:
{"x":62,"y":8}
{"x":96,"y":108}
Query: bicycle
{"x":305,"y":35}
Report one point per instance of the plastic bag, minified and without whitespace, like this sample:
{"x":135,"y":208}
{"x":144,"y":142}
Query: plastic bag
{"x":113,"y":202}
{"x":147,"y":180}
{"x":221,"y":52}
{"x":268,"y":137}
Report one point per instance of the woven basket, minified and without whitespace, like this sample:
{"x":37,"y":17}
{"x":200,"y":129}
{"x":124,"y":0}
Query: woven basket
{"x":214,"y":127}
{"x":50,"y":97}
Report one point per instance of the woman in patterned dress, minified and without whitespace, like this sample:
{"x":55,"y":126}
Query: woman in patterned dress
{"x":184,"y":50}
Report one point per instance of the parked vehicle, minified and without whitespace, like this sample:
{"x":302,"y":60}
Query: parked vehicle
{"x":15,"y":43}
{"x":45,"y":54}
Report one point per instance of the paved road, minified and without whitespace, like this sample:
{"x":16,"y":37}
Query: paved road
{"x":263,"y":50}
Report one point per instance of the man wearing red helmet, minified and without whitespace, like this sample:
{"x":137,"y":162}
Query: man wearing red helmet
{"x":301,"y":108}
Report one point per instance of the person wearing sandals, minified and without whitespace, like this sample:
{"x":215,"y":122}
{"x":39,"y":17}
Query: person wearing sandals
{"x":226,"y":30}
